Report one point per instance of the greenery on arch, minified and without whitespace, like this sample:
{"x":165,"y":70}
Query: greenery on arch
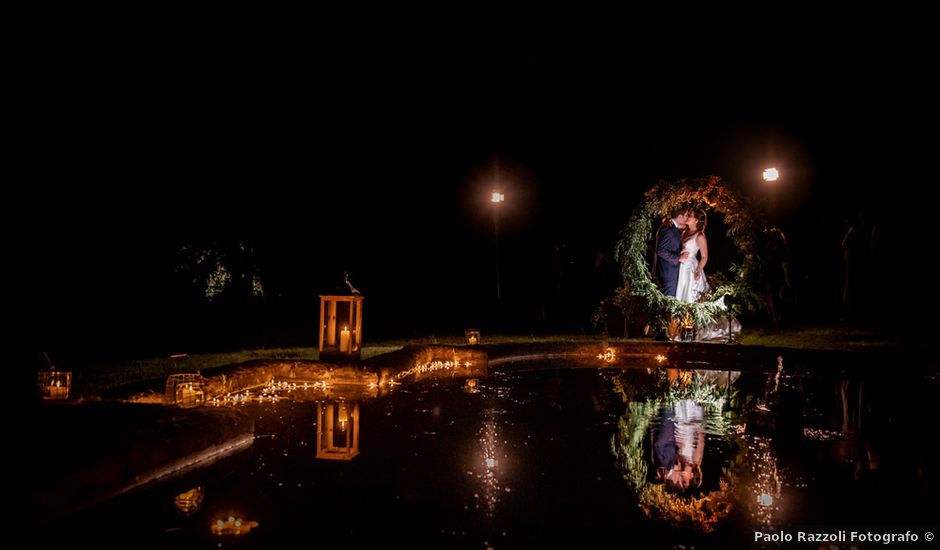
{"x":641,"y":294}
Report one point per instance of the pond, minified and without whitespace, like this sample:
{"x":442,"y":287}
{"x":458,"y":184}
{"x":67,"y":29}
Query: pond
{"x":550,"y":453}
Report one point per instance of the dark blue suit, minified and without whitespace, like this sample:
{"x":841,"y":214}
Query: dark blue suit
{"x":669,"y":241}
{"x":664,"y":440}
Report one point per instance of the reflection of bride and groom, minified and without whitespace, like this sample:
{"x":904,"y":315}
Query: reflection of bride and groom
{"x":679,"y":445}
{"x":679,"y":263}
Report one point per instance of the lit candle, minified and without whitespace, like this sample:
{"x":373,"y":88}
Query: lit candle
{"x":473,"y":339}
{"x":58,"y":391}
{"x":344,"y":340}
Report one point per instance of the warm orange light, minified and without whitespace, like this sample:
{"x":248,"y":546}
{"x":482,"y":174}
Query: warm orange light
{"x":233,"y":526}
{"x":771,"y":174}
{"x":497,"y":197}
{"x":344,"y":345}
{"x":342,"y":416}
{"x":190,"y":501}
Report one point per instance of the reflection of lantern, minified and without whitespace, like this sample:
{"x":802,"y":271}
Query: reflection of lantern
{"x":54,"y":384}
{"x":189,"y":501}
{"x":340,"y":326}
{"x":337,"y":430}
{"x":184,"y":390}
{"x":472,"y":335}
{"x":471,"y":386}
{"x":342,"y":415}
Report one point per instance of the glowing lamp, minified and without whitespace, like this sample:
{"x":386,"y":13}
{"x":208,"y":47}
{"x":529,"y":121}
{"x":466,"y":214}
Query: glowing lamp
{"x":472,"y":335}
{"x":341,"y":327}
{"x":54,"y":384}
{"x":771,"y":174}
{"x":497,"y":197}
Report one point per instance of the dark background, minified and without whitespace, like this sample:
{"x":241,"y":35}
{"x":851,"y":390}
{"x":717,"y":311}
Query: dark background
{"x":300,"y":159}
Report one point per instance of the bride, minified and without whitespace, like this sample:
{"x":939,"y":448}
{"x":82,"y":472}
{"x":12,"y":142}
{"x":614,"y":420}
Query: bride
{"x":692,"y":283}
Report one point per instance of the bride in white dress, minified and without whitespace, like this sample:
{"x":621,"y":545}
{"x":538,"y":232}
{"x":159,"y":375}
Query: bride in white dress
{"x":692,"y":282}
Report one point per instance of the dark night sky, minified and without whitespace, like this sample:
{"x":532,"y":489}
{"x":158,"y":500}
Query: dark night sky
{"x":326,"y":158}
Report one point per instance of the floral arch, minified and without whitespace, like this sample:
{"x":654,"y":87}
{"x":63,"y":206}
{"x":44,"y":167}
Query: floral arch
{"x":641,"y":292}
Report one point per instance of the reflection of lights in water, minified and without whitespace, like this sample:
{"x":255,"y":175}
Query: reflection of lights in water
{"x":471,"y":386}
{"x":490,"y":490}
{"x":608,"y":356}
{"x":433,"y":366}
{"x":272,"y":391}
{"x":660,"y":358}
{"x":342,"y":416}
{"x":233,"y":526}
{"x":190,"y":500}
{"x":765,"y":483}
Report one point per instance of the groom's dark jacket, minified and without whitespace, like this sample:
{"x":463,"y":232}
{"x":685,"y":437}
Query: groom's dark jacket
{"x":669,"y":240}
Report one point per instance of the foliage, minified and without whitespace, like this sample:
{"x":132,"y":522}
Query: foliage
{"x":219,"y":269}
{"x":641,"y":294}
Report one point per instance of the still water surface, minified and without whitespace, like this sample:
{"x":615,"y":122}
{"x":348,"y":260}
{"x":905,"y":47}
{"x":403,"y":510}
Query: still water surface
{"x":552,"y":454}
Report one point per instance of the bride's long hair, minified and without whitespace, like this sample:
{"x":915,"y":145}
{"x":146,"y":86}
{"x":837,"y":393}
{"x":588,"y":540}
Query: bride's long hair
{"x":699,"y":228}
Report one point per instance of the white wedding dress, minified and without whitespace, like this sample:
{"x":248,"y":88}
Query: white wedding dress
{"x":690,"y":290}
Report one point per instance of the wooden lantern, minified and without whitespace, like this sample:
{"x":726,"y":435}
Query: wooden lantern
{"x":472,"y":335}
{"x":337,"y":430}
{"x":54,"y":384}
{"x":340,"y":327}
{"x":185,"y":390}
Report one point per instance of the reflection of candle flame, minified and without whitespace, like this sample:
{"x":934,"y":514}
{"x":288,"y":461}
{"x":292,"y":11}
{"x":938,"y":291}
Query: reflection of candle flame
{"x":343,"y":416}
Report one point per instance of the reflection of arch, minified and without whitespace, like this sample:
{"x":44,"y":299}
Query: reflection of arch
{"x":696,"y":510}
{"x":337,"y":430}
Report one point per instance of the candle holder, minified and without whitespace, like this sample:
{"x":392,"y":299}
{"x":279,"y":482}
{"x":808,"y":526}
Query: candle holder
{"x":472,"y":335}
{"x":54,"y":384}
{"x":185,"y":390}
{"x":341,"y":327}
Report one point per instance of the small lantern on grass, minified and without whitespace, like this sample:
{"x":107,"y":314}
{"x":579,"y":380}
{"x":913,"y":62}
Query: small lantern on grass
{"x":185,"y":390}
{"x":53,"y":383}
{"x":472,"y":335}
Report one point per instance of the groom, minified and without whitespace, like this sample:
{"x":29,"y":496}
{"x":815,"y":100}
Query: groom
{"x":669,"y":251}
{"x":669,"y":255}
